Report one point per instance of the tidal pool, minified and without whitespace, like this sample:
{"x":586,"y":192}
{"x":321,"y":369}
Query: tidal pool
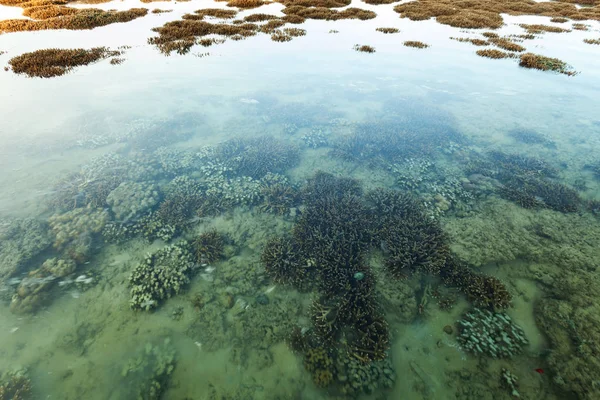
{"x":299,"y":220}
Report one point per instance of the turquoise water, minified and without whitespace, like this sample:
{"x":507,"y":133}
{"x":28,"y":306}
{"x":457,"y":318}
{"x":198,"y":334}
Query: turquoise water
{"x":227,"y":332}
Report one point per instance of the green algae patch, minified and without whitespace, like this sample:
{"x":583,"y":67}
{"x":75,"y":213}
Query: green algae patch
{"x":50,"y":63}
{"x":543,"y":63}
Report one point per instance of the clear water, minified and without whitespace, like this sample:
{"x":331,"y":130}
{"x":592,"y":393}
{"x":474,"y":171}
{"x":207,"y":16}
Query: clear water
{"x":86,"y":342}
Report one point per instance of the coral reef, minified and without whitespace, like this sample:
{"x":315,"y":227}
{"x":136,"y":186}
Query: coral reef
{"x":568,"y":318}
{"x":409,"y":239}
{"x":277,"y":194}
{"x":395,"y":138}
{"x":527,"y":181}
{"x":21,"y":240}
{"x":130,"y":200}
{"x":75,"y":231}
{"x":49,"y":63}
{"x":482,"y":290}
{"x":315,"y":138}
{"x":147,"y":374}
{"x":58,"y":267}
{"x":492,"y":334}
{"x":529,"y":136}
{"x":91,"y":185}
{"x":15,"y":385}
{"x":160,"y":275}
{"x":285,"y":264}
{"x":357,"y":378}
{"x":33,"y":292}
{"x":255,"y":157}
{"x":208,"y":247}
{"x":319,"y":363}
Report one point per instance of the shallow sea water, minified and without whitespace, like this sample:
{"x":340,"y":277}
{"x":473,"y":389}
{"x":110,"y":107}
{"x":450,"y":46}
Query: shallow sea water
{"x":85,"y":342}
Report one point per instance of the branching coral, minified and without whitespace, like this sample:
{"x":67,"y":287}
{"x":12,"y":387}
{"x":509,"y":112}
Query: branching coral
{"x":208,"y":247}
{"x":482,"y":290}
{"x":278,"y":195}
{"x":255,"y":157}
{"x":408,"y":237}
{"x":285,"y":264}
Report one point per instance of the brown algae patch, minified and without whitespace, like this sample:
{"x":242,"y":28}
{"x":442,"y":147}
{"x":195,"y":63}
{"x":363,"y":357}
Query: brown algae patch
{"x":245,"y":4}
{"x":559,"y":20}
{"x":159,"y":11}
{"x":416,"y":44}
{"x":64,"y":18}
{"x":49,"y":63}
{"x":363,"y":48}
{"x":324,"y":13}
{"x":287,"y":34}
{"x":580,"y":27}
{"x":377,"y":2}
{"x":506,"y":44}
{"x":212,"y":12}
{"x":271,"y":26}
{"x":180,"y":36}
{"x":316,"y":3}
{"x":588,"y":41}
{"x":260,"y":17}
{"x":487,"y":13}
{"x":538,"y":28}
{"x":543,"y":63}
{"x":494,"y":54}
{"x":476,"y":42}
{"x":388,"y":30}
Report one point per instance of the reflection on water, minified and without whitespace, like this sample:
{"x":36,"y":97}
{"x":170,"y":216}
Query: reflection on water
{"x":299,"y":220}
